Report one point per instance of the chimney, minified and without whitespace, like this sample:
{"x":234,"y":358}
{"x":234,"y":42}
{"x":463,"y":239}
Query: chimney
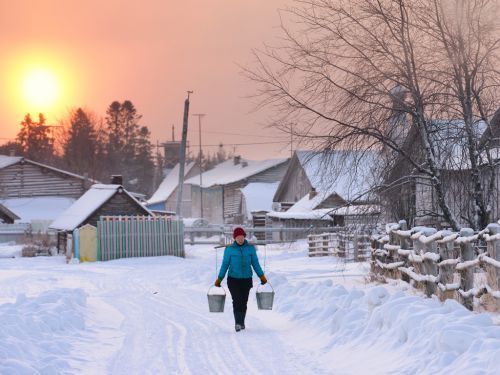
{"x":312,"y":193}
{"x":236,"y":159}
{"x":86,"y":181}
{"x":116,"y":179}
{"x":12,"y":152}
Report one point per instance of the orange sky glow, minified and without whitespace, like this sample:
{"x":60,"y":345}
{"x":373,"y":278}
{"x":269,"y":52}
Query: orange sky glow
{"x":151,"y":52}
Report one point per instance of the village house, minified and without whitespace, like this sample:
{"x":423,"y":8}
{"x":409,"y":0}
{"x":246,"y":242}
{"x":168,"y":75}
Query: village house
{"x":36,"y":192}
{"x":219,"y":199}
{"x":409,"y":194}
{"x":165,"y":197}
{"x":99,"y":200}
{"x":317,"y":185}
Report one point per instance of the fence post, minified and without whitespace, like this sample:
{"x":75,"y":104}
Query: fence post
{"x":429,"y":264}
{"x":466,"y":274}
{"x":404,"y":244}
{"x":355,"y":246}
{"x":446,"y":270}
{"x":492,"y":272}
{"x":324,"y":247}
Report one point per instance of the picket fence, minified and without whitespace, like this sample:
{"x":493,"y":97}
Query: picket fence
{"x":462,"y":266}
{"x":139,"y":236}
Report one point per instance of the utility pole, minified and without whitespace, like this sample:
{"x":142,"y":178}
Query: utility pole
{"x":200,"y":116}
{"x":291,"y":141}
{"x":182,"y":158}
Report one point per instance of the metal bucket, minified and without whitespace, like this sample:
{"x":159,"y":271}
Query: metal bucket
{"x":265,"y":299}
{"x":216,"y":302}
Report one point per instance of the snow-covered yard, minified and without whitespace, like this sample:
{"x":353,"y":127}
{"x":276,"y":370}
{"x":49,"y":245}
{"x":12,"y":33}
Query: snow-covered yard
{"x":150,"y":316}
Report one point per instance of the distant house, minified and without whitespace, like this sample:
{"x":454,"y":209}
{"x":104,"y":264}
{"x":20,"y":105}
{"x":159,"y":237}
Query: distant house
{"x":37,"y":192}
{"x":410,"y":195}
{"x":165,"y":197}
{"x":7,"y":216}
{"x":99,"y":200}
{"x":317,"y":183}
{"x":258,"y":201}
{"x":220,"y":190}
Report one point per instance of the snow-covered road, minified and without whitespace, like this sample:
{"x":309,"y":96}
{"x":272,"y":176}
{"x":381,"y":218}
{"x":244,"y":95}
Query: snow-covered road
{"x":150,"y":316}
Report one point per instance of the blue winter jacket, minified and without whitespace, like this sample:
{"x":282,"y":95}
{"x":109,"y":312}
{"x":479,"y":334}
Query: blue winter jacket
{"x":240,"y":260}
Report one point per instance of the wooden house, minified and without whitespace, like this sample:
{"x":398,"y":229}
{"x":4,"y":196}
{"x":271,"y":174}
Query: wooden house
{"x":409,"y":194}
{"x":165,"y":197}
{"x":219,"y":199}
{"x":99,"y":200}
{"x":36,"y":191}
{"x":317,"y":183}
{"x":7,"y":216}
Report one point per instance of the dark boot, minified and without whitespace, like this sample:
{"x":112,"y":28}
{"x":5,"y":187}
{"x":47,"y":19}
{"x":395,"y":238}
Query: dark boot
{"x":243,"y":315}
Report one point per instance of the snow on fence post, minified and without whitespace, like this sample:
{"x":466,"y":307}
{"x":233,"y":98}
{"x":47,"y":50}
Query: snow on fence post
{"x":404,"y":244}
{"x":465,"y":295}
{"x":447,"y":266}
{"x":430,"y":257}
{"x":492,"y":299}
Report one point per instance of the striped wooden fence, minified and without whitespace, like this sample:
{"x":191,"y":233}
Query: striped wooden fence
{"x":139,"y":236}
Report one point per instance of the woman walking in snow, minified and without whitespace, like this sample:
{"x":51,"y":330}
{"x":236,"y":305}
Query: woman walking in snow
{"x":240,"y":258}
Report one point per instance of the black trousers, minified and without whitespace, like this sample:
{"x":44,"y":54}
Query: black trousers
{"x":239,"y":289}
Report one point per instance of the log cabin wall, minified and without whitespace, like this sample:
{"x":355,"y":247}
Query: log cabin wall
{"x":25,"y":179}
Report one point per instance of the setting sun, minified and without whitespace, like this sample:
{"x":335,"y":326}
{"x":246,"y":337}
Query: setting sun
{"x":40,"y":88}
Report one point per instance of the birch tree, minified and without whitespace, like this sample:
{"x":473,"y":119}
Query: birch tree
{"x":368,"y":75}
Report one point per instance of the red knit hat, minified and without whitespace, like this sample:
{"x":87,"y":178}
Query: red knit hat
{"x":238,"y":231}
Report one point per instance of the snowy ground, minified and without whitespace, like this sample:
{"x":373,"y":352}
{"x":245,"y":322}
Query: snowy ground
{"x":150,"y":316}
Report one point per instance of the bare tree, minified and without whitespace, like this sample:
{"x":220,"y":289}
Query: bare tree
{"x":368,"y":74}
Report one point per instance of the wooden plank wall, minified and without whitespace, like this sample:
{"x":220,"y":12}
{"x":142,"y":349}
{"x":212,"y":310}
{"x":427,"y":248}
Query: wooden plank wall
{"x":29,"y":180}
{"x":118,"y":204}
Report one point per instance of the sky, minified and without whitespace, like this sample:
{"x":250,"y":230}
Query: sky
{"x":90,"y":53}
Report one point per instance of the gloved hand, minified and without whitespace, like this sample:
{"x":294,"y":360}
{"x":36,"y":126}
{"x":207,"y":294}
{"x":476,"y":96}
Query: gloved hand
{"x":217,"y":282}
{"x":263,"y":280}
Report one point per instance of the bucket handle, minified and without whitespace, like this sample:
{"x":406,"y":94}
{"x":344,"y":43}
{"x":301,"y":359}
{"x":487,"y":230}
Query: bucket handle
{"x":213,"y":286}
{"x":260,"y":285}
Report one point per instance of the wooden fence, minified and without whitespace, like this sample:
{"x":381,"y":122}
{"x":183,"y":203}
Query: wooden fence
{"x":347,"y":244}
{"x":462,"y":266}
{"x":139,"y":236}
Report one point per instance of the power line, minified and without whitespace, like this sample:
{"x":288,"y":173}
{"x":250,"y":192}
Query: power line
{"x":243,"y":144}
{"x":240,"y":134}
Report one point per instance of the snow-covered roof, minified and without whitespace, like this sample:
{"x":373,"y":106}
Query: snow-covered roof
{"x":320,"y":214}
{"x":227,"y":172}
{"x":11,"y":215}
{"x":87,"y":204}
{"x":6,"y":161}
{"x":169,"y":184}
{"x":259,"y":196}
{"x":365,"y":209}
{"x":307,"y":204}
{"x":37,"y":208}
{"x":344,"y":172}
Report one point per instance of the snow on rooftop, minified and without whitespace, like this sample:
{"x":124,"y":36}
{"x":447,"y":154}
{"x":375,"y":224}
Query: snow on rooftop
{"x":308,"y":204}
{"x":37,"y":208}
{"x":259,"y":196}
{"x":227,"y":172}
{"x":319,"y":214}
{"x":346,"y":173}
{"x":94,"y":198}
{"x":6,"y":161}
{"x":169,"y":184}
{"x":364,"y":209}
